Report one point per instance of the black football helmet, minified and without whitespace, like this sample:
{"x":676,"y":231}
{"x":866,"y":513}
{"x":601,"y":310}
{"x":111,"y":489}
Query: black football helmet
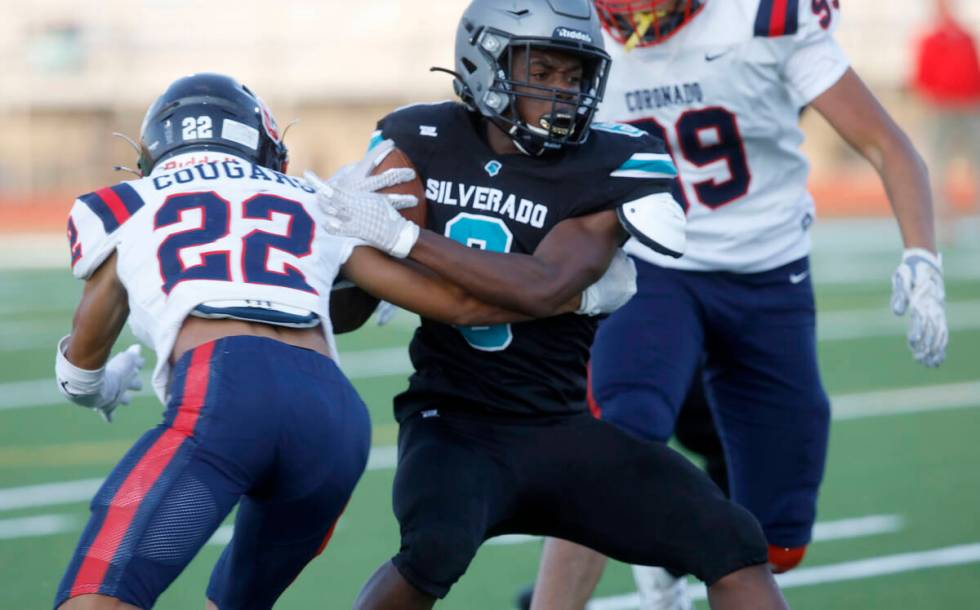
{"x":210,"y":112}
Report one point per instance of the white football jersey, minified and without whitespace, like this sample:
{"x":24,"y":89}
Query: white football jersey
{"x":215,"y":235}
{"x":725,"y":93}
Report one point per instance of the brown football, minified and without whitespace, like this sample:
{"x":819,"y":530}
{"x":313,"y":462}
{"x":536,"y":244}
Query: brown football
{"x":397,"y":158}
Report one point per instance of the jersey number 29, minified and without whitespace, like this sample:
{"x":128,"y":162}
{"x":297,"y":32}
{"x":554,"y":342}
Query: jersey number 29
{"x":707,"y":136}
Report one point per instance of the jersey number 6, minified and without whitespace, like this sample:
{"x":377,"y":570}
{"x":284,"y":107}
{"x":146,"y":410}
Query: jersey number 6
{"x":256,"y":246}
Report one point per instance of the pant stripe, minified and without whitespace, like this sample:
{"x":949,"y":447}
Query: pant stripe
{"x":126,"y":502}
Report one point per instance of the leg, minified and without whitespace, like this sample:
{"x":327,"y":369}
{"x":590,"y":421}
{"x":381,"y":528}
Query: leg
{"x":696,"y":431}
{"x":644,"y":359}
{"x":687,"y":527}
{"x":449,"y":491}
{"x":287,"y":519}
{"x":160,"y":504}
{"x":387,"y":589}
{"x":743,"y":588}
{"x":95,"y":602}
{"x":764,"y":383}
{"x":572,"y":585}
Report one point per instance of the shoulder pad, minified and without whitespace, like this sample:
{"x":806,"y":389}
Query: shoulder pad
{"x":93,"y":223}
{"x":416,"y":128}
{"x":113,"y":205}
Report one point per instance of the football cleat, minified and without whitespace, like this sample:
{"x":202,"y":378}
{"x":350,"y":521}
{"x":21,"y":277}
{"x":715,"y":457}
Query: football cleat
{"x":661,"y":590}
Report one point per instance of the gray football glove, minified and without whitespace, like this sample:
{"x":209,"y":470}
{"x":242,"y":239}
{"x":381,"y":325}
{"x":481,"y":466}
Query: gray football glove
{"x":103,"y":389}
{"x":616,"y":286}
{"x":917,"y":287}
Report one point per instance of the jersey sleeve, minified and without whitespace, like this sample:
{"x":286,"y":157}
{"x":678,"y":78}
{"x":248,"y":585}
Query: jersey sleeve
{"x":639,"y":167}
{"x":815,"y":61}
{"x":94,"y":225}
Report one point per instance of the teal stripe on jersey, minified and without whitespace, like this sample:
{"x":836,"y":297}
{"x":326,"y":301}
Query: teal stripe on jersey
{"x":658,"y":167}
{"x":376,"y":138}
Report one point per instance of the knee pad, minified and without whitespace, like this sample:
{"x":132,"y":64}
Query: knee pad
{"x":783,"y":559}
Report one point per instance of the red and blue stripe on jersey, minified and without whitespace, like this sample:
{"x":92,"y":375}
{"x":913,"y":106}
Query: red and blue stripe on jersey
{"x":106,"y":551}
{"x":113,"y":205}
{"x":777,"y":18}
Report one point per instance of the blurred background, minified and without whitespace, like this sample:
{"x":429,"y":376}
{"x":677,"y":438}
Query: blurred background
{"x":70,"y":77}
{"x":898,"y":525}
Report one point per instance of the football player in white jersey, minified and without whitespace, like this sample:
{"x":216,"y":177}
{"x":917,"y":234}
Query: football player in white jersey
{"x":219,"y":261}
{"x":722,"y":82}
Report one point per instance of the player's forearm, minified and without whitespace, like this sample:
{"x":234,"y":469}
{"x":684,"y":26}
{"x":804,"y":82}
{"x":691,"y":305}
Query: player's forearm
{"x":99,"y":318}
{"x":517,"y":282}
{"x":906,"y":181}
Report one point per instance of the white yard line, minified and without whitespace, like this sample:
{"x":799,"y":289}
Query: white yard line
{"x":838,"y":572}
{"x":39,"y":525}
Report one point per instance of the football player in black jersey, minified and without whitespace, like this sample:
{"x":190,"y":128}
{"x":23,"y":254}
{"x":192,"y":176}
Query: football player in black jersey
{"x":527,"y":200}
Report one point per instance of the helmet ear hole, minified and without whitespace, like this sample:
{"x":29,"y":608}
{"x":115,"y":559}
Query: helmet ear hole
{"x":469,"y":65}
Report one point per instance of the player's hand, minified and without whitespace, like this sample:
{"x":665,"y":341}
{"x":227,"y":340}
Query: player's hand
{"x":616,"y":286}
{"x":368,"y":216}
{"x":357,"y":176}
{"x":122,"y":378}
{"x":386,"y":312}
{"x":104,"y":389}
{"x":917,"y":287}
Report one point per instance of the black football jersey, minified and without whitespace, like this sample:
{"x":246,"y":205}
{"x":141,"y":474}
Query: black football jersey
{"x":508,"y":203}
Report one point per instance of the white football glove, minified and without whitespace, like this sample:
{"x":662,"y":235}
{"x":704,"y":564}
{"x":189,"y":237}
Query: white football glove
{"x":386,"y":312}
{"x":357,"y":176}
{"x":368,"y":216}
{"x":102,"y":389}
{"x":917,"y":287}
{"x":616,"y":286}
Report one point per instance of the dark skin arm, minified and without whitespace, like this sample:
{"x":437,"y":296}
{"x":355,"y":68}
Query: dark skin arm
{"x":99,"y":318}
{"x":573,"y":255}
{"x":418,"y":289}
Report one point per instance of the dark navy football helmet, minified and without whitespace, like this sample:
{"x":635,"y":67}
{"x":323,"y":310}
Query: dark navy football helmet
{"x":211,"y":112}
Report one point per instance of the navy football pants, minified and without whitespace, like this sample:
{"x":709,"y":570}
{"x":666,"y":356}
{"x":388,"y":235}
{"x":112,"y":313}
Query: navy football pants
{"x":756,"y":334}
{"x":274,"y":428}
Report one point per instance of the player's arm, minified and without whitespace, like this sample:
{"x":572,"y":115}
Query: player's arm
{"x":413,"y":287}
{"x":917,"y":284}
{"x":573,"y":255}
{"x":855,"y":113}
{"x":99,"y":318}
{"x":81,"y":368}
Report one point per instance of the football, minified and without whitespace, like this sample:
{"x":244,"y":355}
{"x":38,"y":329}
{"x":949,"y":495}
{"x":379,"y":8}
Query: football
{"x":397,"y":158}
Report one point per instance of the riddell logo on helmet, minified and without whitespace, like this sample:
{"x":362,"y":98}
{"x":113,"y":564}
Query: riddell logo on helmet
{"x":572,"y":35}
